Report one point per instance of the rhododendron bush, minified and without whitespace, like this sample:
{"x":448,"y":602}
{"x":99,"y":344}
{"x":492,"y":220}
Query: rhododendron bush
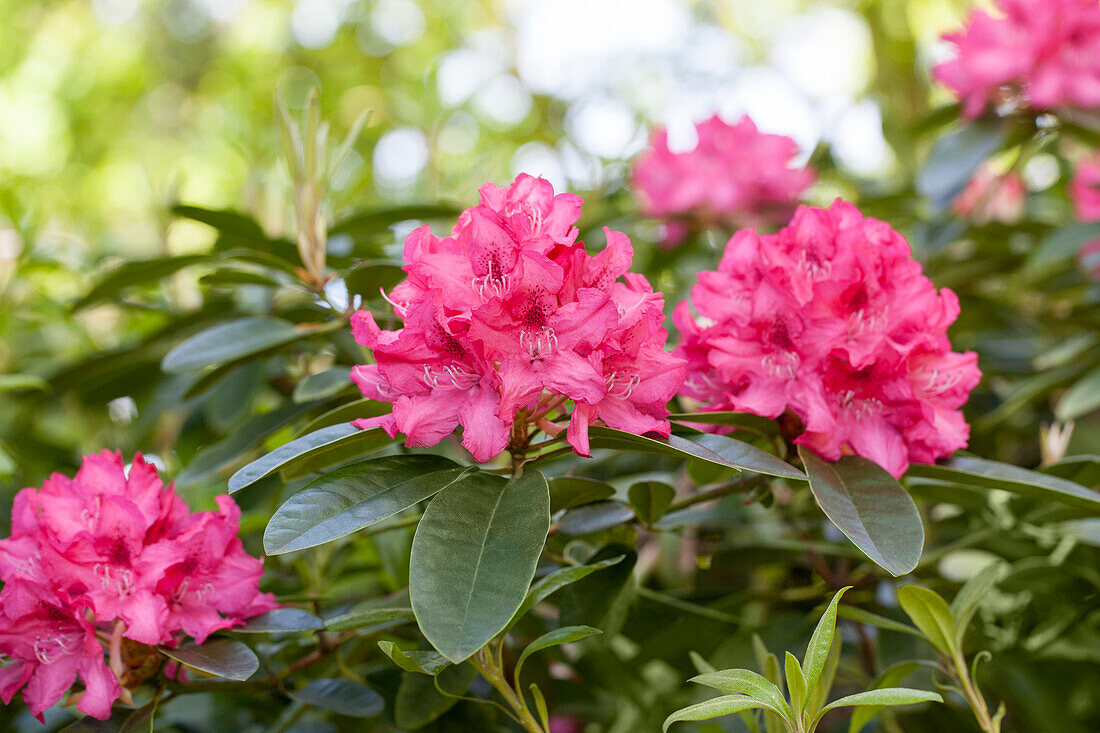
{"x":591,"y":447}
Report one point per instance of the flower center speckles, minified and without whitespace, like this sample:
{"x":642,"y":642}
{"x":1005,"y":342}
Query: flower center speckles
{"x":48,"y":649}
{"x":204,"y":590}
{"x":859,"y":407}
{"x":783,"y":365}
{"x":814,"y":267}
{"x":538,"y":344}
{"x":864,"y":320}
{"x":117,"y":580}
{"x":452,"y":376}
{"x":491,"y":286}
{"x":937,"y":382}
{"x":620,"y":385}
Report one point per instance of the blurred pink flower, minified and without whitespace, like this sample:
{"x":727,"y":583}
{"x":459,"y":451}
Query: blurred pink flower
{"x":508,"y":319}
{"x":735,"y":176}
{"x":1084,"y":189}
{"x":118,"y":552}
{"x":1042,"y":54}
{"x":991,"y":197}
{"x":830,"y":319}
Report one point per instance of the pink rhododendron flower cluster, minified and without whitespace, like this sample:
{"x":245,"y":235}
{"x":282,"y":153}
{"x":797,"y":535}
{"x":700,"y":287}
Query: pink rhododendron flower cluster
{"x":832,"y":320}
{"x":1084,"y":189}
{"x":110,"y":558}
{"x":1039,"y":53}
{"x":735,"y":175}
{"x":992,"y":197}
{"x":507,"y":319}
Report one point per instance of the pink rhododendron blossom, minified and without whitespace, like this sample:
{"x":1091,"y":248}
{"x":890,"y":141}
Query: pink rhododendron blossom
{"x":1040,"y":54}
{"x":509,"y":319}
{"x":831,"y":320}
{"x":735,"y":176}
{"x":992,"y":197}
{"x":1084,"y":189}
{"x":115,"y":553}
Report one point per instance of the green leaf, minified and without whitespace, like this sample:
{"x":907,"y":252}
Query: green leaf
{"x":369,"y":617}
{"x":817,"y":652}
{"x":353,"y":497}
{"x":540,"y":706}
{"x":716,"y":449}
{"x":230,"y":341}
{"x":1080,"y":399}
{"x":970,"y":596}
{"x":796,"y":684}
{"x":136,"y":272}
{"x":16,"y":382}
{"x":651,"y":499}
{"x":341,"y":696}
{"x":886,"y":696}
{"x":232,"y":223}
{"x":298,"y":450}
{"x":142,"y":718}
{"x":473,"y":557}
{"x":556,"y":581}
{"x":569,"y":492}
{"x":702,"y":666}
{"x":854,"y":613}
{"x":716,"y":708}
{"x":746,"y":682}
{"x":418,"y":701}
{"x":741,"y":420}
{"x":219,"y":657}
{"x":323,"y":384}
{"x":421,"y":662}
{"x":281,"y":620}
{"x":594,"y":518}
{"x":994,"y":475}
{"x":954,"y":158}
{"x":369,"y":278}
{"x":931,"y":615}
{"x":378,"y":221}
{"x":890,"y":678}
{"x":1062,"y":244}
{"x":869,"y":507}
{"x":557,"y":637}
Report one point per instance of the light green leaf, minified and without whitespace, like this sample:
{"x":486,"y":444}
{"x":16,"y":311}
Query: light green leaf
{"x":887,"y":624}
{"x":556,"y":581}
{"x":716,"y":708}
{"x":557,"y":637}
{"x":870,"y":508}
{"x":420,"y":662}
{"x":341,"y":696}
{"x":353,"y":497}
{"x":369,"y":617}
{"x":473,"y":557}
{"x":886,"y":696}
{"x":219,"y":657}
{"x":746,"y":682}
{"x":931,"y":615}
{"x":136,"y":272}
{"x":821,"y":642}
{"x":970,"y":597}
{"x":16,"y":382}
{"x":796,"y":684}
{"x":540,"y":706}
{"x":890,"y":678}
{"x":230,"y":341}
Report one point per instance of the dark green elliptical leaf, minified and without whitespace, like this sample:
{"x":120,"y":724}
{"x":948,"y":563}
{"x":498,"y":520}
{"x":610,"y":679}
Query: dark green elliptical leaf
{"x":995,"y":475}
{"x":300,"y":449}
{"x":219,"y":657}
{"x":341,"y":696}
{"x":717,"y":449}
{"x":870,"y":507}
{"x":229,"y":341}
{"x":473,"y":558}
{"x":353,"y":497}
